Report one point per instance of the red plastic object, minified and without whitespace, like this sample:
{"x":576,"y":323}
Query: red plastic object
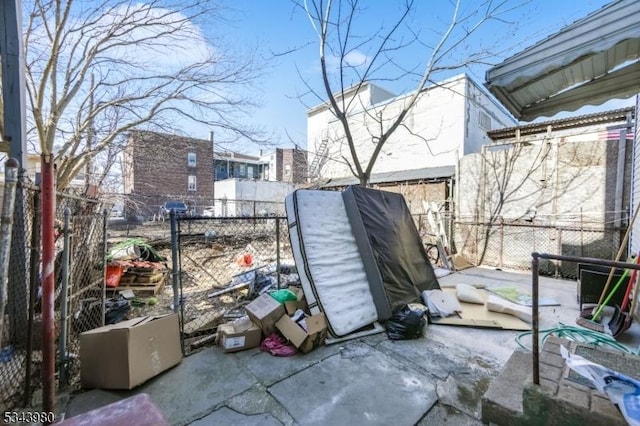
{"x":135,"y":410}
{"x":114,"y":273}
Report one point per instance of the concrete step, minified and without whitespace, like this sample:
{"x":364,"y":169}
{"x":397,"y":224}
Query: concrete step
{"x":513,"y":399}
{"x":502,"y":403}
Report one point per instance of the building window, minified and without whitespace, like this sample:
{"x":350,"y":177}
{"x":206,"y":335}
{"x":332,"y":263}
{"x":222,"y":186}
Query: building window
{"x":250,"y":172}
{"x":243,"y":170}
{"x":191,"y":185}
{"x":191,"y":159}
{"x":287,"y":170}
{"x":484,"y":120}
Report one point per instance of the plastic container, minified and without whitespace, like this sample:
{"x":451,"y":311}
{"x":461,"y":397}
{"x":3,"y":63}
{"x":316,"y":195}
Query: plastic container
{"x":114,"y":273}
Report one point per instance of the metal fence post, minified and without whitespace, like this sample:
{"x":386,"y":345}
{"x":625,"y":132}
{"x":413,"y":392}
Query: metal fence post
{"x":105,"y":215}
{"x":62,"y":343}
{"x":34,"y":261}
{"x":278,"y":251}
{"x":6,"y":225}
{"x":501,"y":242}
{"x":534,"y":318}
{"x":174,"y":259}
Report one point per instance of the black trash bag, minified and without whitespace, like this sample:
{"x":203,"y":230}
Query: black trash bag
{"x":116,"y":310}
{"x":406,"y":323}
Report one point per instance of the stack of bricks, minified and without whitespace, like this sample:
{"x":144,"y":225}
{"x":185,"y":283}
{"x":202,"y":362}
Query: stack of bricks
{"x":560,"y":401}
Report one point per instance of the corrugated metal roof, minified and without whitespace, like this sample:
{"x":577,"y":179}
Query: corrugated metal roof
{"x":588,"y":62}
{"x":426,"y":173}
{"x":612,"y":116}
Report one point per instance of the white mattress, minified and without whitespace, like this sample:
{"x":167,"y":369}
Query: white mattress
{"x":328,"y":261}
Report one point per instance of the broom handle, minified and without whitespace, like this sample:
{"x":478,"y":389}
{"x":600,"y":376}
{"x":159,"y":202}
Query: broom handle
{"x":620,"y":251}
{"x":615,"y":288}
{"x":634,"y":302}
{"x":632,"y":283}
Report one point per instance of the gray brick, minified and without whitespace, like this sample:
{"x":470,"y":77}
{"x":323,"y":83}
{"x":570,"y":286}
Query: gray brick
{"x":576,"y":397}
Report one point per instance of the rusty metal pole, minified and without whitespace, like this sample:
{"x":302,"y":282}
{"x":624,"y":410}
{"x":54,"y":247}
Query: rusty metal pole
{"x":48,"y":282}
{"x":534,"y":315}
{"x":6,"y":226}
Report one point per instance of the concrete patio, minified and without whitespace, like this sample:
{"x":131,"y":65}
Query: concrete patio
{"x":438,"y":379}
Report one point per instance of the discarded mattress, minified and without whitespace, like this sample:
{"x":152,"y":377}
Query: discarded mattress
{"x":331,"y":270}
{"x":384,"y":230}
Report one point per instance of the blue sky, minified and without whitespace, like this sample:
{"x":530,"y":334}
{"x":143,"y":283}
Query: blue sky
{"x":278,"y":26}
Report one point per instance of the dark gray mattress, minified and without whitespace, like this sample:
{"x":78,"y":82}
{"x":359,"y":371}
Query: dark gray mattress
{"x":386,"y":234}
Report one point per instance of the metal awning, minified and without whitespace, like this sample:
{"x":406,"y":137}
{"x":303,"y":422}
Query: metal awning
{"x":587,"y":63}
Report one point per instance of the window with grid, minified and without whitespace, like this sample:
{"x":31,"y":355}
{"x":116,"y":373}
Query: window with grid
{"x":191,"y":184}
{"x":191,"y":159}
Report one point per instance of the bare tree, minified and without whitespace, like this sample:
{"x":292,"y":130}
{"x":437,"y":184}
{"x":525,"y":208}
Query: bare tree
{"x":98,"y":69}
{"x":349,"y":60}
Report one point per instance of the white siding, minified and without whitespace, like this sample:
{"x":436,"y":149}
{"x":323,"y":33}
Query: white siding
{"x":634,"y":245}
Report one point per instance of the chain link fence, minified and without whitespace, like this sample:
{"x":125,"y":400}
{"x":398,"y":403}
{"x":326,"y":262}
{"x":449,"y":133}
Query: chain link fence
{"x":223,"y":263}
{"x":509,"y":245}
{"x":21,"y":344}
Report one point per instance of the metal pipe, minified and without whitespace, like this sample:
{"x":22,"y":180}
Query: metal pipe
{"x":534,"y":316}
{"x":48,"y":282}
{"x":34,"y":262}
{"x":62,"y":342}
{"x":105,"y":215}
{"x":278,"y":251}
{"x":6,"y":226}
{"x":174,"y":259}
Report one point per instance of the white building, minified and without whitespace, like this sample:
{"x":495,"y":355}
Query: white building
{"x":250,"y":198}
{"x":450,"y":119}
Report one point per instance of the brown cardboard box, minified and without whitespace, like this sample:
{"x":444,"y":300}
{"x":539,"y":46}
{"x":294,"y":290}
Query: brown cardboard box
{"x":308,"y":340}
{"x":291,"y":307}
{"x":124,"y":355}
{"x":233,"y":338}
{"x":265,"y":311}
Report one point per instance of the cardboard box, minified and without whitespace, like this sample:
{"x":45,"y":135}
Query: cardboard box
{"x":305,"y":341}
{"x":233,"y":338}
{"x":291,"y":307}
{"x":265,"y":311}
{"x":124,"y":355}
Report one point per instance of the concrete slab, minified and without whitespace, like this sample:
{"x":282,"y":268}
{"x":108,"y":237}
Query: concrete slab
{"x":360,"y":385}
{"x":227,"y":417}
{"x":258,"y":400}
{"x":197,"y":385}
{"x":271,"y":369}
{"x":442,"y":414}
{"x":90,"y":400}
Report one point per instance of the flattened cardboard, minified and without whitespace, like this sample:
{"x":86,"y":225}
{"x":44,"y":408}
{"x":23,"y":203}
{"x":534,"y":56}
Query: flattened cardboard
{"x":305,"y":341}
{"x":473,"y":315}
{"x":232,"y":339}
{"x":265,"y":311}
{"x":124,"y":355}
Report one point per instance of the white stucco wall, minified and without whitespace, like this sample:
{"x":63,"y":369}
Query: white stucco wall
{"x":245,"y":197}
{"x":441,"y":127}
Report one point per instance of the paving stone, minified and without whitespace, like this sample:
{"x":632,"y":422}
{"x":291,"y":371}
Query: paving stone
{"x":271,"y":369}
{"x":227,"y":417}
{"x":340,"y":390}
{"x":442,"y":414}
{"x":258,"y":401}
{"x":194,"y":388}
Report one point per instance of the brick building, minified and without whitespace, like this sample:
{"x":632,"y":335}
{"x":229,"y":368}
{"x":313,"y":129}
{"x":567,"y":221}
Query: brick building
{"x":286,"y":165}
{"x":161,"y":167}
